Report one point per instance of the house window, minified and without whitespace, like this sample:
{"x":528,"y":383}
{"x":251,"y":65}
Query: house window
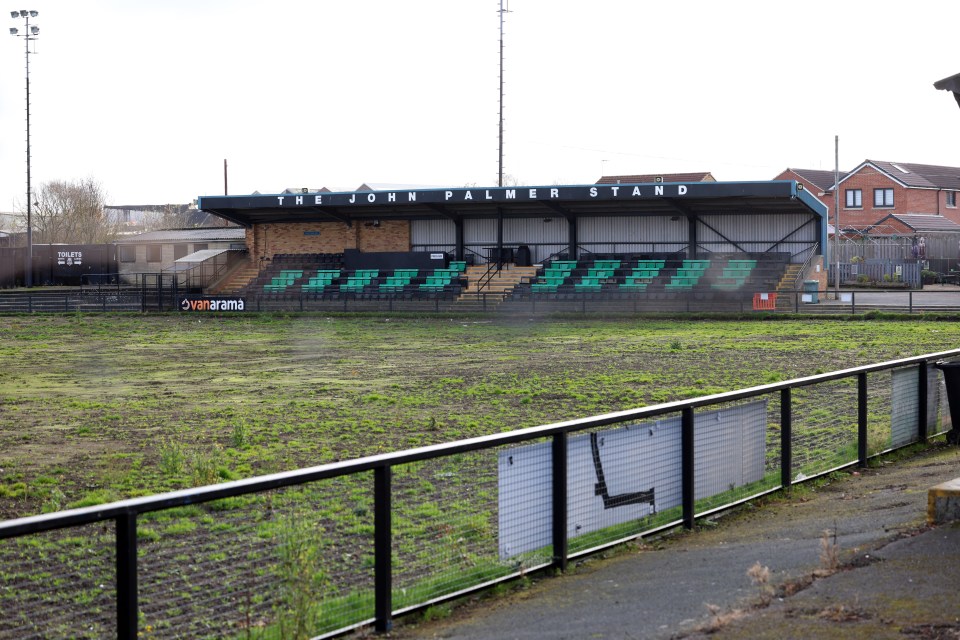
{"x":199,"y":246}
{"x":854,"y":198}
{"x":154,"y":251}
{"x":179,"y":250}
{"x":128,"y":253}
{"x":951,"y":198}
{"x":883,"y":197}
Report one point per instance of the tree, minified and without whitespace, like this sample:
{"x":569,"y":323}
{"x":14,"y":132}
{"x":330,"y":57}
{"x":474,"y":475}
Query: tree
{"x":72,"y":213}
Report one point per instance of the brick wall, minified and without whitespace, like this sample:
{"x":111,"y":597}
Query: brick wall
{"x":266,"y":240}
{"x":816,"y":271}
{"x":905,"y":200}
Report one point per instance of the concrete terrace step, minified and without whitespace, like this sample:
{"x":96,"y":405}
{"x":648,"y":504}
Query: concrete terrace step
{"x":236,"y":280}
{"x":495,"y":290}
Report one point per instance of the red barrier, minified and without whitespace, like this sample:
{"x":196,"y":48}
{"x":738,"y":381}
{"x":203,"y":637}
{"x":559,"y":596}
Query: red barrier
{"x":764,"y":301}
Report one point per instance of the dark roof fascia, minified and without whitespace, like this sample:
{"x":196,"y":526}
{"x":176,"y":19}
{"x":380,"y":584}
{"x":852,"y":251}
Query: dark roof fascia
{"x":529,"y":201}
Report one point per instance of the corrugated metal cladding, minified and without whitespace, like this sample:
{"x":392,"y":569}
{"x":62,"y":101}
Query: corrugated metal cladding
{"x":480,"y":231}
{"x":432,"y":232}
{"x":638,"y":229}
{"x":623,"y":234}
{"x":535,"y":231}
{"x":795,"y":234}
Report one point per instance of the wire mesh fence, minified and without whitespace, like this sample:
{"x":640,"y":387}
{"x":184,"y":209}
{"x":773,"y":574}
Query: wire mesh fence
{"x":59,"y":584}
{"x":291,"y":562}
{"x":319,"y":551}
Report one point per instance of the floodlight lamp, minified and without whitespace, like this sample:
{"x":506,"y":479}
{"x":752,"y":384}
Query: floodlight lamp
{"x":34,"y":29}
{"x":13,"y":31}
{"x":24,"y":13}
{"x":34,"y":14}
{"x":14,"y":14}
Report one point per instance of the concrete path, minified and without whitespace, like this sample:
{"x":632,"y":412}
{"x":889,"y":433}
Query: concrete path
{"x":898,"y":573}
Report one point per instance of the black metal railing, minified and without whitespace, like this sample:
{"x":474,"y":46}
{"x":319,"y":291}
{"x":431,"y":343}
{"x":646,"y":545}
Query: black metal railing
{"x":409,"y":529}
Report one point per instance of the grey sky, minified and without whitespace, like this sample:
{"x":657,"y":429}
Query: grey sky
{"x":150,"y":97}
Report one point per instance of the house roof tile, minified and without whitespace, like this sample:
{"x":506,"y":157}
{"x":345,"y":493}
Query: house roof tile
{"x":702,"y":176}
{"x":818,"y":177}
{"x":927,"y":176}
{"x":923,"y":223}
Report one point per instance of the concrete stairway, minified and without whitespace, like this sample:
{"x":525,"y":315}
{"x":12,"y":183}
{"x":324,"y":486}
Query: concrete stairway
{"x":786,"y":286}
{"x":236,"y":280}
{"x":490,"y":292}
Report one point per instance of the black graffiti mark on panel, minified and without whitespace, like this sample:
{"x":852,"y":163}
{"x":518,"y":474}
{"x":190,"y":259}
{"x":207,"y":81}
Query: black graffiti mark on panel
{"x":600,"y":489}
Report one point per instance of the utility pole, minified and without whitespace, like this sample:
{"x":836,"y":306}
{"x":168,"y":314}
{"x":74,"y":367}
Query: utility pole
{"x":30,"y":34}
{"x":500,"y":159}
{"x":836,"y":215}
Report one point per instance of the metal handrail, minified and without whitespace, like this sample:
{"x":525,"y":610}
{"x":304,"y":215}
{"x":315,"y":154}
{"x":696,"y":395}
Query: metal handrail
{"x":805,"y":266}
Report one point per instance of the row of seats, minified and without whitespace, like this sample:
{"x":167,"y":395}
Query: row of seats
{"x":367,"y":280}
{"x":665,"y":274}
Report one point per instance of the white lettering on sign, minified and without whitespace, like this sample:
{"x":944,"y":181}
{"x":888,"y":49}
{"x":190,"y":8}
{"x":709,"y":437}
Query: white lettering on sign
{"x":616,"y":192}
{"x":227,"y":304}
{"x":69,"y":258}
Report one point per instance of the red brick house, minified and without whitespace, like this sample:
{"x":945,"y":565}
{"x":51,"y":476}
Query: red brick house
{"x":877,"y":189}
{"x":892,"y":210}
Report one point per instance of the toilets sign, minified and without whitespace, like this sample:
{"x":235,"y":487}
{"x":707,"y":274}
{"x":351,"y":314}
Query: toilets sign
{"x":70,"y":258}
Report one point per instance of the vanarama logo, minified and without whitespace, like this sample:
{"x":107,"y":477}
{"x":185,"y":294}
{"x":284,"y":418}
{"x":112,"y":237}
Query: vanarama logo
{"x":212,"y":304}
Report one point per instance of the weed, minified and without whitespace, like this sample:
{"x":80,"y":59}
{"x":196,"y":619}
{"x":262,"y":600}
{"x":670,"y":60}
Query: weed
{"x":829,"y":552}
{"x":437,"y":612}
{"x":301,"y":576}
{"x":240,"y":437}
{"x":172,"y":457}
{"x":720,"y":618}
{"x":760,"y":575}
{"x":204,"y":468}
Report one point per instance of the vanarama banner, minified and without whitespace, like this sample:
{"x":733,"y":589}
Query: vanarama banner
{"x":211,"y":304}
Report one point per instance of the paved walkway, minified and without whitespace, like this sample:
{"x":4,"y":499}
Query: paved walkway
{"x":900,"y":578}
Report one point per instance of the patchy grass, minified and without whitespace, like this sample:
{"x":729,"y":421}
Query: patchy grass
{"x":117,"y":406}
{"x":105,"y":407}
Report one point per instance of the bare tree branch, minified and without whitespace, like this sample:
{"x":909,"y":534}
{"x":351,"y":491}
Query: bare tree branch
{"x":72,"y":213}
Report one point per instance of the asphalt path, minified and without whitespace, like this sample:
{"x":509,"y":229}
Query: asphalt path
{"x":674,"y":586}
